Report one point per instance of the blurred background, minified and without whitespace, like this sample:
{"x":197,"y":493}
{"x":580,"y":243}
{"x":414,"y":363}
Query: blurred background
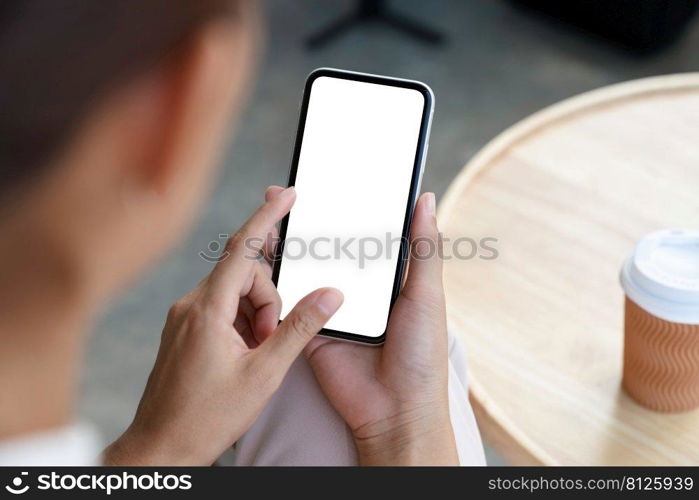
{"x":490,"y":64}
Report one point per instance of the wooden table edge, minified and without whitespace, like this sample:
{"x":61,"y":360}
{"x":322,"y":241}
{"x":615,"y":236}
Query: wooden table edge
{"x":497,"y":428}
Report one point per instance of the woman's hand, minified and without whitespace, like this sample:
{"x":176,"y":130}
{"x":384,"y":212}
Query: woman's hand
{"x":214,"y":374}
{"x":394,"y":397}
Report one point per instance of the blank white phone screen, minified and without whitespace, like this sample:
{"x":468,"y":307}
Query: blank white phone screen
{"x":352,"y":184}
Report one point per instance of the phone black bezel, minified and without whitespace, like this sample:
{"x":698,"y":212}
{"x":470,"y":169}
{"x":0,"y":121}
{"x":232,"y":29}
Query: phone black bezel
{"x":420,"y":152}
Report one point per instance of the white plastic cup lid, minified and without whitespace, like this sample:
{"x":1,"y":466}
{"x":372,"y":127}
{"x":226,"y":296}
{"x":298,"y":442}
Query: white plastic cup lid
{"x":662,"y":275}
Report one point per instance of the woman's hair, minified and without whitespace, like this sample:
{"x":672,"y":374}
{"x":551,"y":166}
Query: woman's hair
{"x":57,"y":58}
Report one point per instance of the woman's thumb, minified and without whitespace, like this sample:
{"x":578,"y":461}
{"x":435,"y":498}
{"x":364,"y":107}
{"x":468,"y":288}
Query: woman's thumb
{"x":302,"y":324}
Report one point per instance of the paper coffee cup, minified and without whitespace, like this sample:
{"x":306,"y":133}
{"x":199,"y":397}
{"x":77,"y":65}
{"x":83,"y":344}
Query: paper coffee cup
{"x":661,"y":321}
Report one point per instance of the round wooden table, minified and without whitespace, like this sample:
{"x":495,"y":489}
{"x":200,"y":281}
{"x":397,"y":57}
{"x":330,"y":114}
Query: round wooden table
{"x":567,"y":193}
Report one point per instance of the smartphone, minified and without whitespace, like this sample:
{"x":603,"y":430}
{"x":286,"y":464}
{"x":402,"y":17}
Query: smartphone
{"x":357,"y":166}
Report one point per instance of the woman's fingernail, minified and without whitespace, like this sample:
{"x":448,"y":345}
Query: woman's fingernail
{"x":288,"y":192}
{"x":271,"y":193}
{"x":329,"y":301}
{"x":431,"y":204}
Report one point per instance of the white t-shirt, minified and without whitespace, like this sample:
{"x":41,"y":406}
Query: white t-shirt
{"x":77,"y":444}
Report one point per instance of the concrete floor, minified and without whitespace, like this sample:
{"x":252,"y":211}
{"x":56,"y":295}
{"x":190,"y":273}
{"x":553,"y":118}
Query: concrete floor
{"x":499,"y":66}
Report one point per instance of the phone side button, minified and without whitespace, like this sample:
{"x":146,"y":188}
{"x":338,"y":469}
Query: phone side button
{"x":419,"y":179}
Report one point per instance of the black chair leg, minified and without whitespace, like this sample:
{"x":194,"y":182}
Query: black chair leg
{"x":374,"y":11}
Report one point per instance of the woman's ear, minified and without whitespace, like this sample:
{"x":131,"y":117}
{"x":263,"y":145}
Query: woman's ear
{"x":141,"y":164}
{"x":181,"y":110}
